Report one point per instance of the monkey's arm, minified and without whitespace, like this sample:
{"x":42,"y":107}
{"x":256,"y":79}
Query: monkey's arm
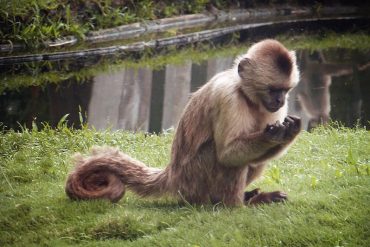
{"x":248,"y":149}
{"x":258,"y":147}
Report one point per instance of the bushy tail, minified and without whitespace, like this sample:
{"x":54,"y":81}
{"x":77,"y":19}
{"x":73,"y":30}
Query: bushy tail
{"x":107,"y":172}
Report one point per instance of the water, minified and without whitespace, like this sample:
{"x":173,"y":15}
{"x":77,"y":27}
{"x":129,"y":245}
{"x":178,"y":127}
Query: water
{"x":334,"y":86}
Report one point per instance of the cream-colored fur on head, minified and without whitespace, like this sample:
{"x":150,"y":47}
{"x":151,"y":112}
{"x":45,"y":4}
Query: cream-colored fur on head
{"x":264,"y":60}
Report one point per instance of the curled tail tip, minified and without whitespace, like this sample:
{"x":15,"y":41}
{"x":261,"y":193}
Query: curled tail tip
{"x":94,"y":186}
{"x":90,"y":180}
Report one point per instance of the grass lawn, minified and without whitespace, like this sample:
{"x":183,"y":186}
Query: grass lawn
{"x":326,"y":174}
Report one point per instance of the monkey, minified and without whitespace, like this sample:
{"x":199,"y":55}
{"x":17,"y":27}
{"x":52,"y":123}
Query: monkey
{"x":313,"y":92}
{"x":230,"y":128}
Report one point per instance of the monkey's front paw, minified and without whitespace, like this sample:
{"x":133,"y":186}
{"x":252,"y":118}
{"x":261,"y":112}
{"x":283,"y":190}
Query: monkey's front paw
{"x":284,"y":132}
{"x":293,"y":126}
{"x":275,"y":132}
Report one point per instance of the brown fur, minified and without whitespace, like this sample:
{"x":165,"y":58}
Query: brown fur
{"x":222,"y":142}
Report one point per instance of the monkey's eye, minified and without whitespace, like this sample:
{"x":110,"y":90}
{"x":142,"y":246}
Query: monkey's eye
{"x":278,"y":90}
{"x":275,"y":90}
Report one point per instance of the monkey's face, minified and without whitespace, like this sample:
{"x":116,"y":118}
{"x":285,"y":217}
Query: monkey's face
{"x":268,"y":71}
{"x":264,"y":84}
{"x":274,"y":98}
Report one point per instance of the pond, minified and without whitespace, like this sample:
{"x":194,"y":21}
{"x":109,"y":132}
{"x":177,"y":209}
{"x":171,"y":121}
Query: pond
{"x":105,"y":92}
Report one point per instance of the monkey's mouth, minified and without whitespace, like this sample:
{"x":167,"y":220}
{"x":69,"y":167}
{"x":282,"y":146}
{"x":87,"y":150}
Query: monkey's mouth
{"x":272,"y":107}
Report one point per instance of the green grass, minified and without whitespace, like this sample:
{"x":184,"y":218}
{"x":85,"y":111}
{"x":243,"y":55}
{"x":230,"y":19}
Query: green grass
{"x":326,"y":173}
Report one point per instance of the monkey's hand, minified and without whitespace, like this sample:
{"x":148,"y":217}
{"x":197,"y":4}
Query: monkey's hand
{"x":293,"y":126}
{"x":285,"y":132}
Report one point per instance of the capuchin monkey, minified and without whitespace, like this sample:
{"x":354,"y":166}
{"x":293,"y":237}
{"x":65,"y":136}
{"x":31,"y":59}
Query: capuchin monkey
{"x":230,"y":128}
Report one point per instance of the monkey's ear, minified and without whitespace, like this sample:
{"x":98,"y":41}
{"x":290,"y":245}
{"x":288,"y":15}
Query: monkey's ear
{"x":245,"y":67}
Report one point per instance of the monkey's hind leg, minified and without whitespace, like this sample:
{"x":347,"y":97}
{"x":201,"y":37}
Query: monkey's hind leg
{"x":253,"y":173}
{"x":255,"y":196}
{"x":267,"y":197}
{"x":250,"y":194}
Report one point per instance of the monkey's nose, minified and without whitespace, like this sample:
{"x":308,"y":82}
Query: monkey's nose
{"x":279,"y":101}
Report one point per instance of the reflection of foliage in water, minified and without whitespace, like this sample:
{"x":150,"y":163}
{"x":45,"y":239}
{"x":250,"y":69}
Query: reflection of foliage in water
{"x":327,"y":39}
{"x":43,"y":73}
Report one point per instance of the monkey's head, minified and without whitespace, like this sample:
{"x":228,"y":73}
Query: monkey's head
{"x":268,"y":71}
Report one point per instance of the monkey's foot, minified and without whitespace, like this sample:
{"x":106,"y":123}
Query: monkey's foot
{"x":267,"y":197}
{"x":249,"y":194}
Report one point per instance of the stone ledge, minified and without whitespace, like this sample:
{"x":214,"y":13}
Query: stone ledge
{"x":182,"y":39}
{"x":187,"y":21}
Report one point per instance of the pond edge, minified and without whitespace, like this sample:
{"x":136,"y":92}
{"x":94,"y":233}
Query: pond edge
{"x":187,"y":21}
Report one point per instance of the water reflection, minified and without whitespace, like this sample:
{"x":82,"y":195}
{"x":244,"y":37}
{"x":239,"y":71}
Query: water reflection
{"x":334,"y":85}
{"x":121,"y":99}
{"x":311,"y":99}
